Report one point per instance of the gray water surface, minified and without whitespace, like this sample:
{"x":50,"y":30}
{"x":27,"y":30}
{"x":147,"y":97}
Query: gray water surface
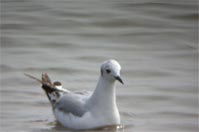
{"x":155,"y":41}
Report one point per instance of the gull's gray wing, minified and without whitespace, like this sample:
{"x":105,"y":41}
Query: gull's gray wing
{"x":71,"y":103}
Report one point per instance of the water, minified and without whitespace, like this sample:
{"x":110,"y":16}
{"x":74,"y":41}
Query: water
{"x":154,"y":41}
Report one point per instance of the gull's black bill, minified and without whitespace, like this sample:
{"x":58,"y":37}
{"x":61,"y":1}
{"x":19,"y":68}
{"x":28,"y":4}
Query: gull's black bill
{"x":119,"y":79}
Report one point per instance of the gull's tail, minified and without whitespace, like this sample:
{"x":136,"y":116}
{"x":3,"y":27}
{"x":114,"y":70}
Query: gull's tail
{"x":52,"y":90}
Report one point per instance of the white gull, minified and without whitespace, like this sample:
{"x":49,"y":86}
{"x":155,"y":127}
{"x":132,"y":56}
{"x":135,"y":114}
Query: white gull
{"x":79,"y":111}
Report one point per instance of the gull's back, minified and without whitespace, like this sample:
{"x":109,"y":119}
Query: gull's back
{"x":72,"y":103}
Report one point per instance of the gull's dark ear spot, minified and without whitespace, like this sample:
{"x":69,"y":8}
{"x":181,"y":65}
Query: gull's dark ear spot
{"x":101,"y":72}
{"x":108,"y":71}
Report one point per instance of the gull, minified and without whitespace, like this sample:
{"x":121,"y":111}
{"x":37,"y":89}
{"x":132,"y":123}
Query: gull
{"x":86,"y":111}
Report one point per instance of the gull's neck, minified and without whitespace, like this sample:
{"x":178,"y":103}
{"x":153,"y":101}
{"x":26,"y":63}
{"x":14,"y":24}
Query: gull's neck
{"x":102,"y":103}
{"x":104,"y":94}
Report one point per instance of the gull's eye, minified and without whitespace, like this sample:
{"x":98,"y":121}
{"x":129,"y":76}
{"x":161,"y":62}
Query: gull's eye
{"x":108,"y":71}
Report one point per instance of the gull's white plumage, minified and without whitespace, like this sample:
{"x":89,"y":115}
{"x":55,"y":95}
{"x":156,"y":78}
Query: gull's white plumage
{"x":80,"y":112}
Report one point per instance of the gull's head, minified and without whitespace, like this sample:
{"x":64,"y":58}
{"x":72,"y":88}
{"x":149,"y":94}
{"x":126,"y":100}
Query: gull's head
{"x":110,"y":70}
